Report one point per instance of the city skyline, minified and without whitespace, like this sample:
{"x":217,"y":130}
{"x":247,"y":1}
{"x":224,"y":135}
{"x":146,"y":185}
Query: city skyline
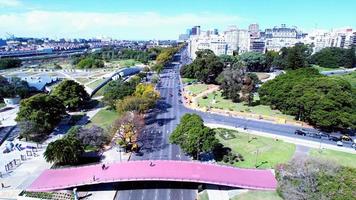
{"x":143,"y":20}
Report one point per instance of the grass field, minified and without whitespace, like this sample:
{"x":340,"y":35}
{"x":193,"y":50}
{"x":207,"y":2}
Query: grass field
{"x":95,"y":83}
{"x":258,"y":195}
{"x":342,"y":158}
{"x":322,"y":69}
{"x":188,"y":80}
{"x":197,"y":88}
{"x":227,"y":104}
{"x":351,"y":78}
{"x":126,"y":62}
{"x":104,"y":118}
{"x":83,"y":80}
{"x":269,"y":152}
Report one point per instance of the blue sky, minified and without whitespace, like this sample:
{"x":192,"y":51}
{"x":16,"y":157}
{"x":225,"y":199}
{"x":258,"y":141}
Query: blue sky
{"x":158,"y":19}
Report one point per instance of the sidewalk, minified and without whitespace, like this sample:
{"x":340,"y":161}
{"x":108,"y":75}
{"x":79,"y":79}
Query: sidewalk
{"x":297,"y":141}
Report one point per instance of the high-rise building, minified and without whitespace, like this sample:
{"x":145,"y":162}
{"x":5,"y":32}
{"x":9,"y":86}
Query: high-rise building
{"x":254,"y":30}
{"x":195,"y":30}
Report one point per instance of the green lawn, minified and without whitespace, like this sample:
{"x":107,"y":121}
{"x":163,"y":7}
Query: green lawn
{"x":2,"y":105}
{"x":83,"y":80}
{"x":322,"y":69}
{"x":342,"y":158}
{"x":351,"y":78}
{"x":104,"y":118}
{"x":96,"y":83}
{"x":258,"y":195}
{"x":125,"y":62}
{"x":227,"y":104}
{"x":269,"y":151}
{"x":188,"y":80}
{"x":197,"y":88}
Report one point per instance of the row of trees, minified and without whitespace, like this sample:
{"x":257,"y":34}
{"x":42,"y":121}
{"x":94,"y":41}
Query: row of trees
{"x":39,"y":114}
{"x":164,"y":57}
{"x":325,"y":102}
{"x":315,"y":179}
{"x":7,"y":63}
{"x":193,"y":136}
{"x":333,"y":57}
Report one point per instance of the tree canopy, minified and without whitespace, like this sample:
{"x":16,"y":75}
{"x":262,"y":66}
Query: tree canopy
{"x":326,"y":102}
{"x":206,"y":67}
{"x":315,"y":179}
{"x":117,"y":90}
{"x":255,"y":61}
{"x":192,"y":136}
{"x":6,"y":63}
{"x":13,"y":87}
{"x":90,"y":62}
{"x":42,"y":112}
{"x":334,"y":57}
{"x":71,"y":93}
{"x":67,"y":150}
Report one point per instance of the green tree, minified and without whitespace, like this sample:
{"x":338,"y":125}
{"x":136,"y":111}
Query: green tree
{"x":326,"y":102}
{"x":255,"y":61}
{"x":334,"y":57}
{"x":206,"y":67}
{"x":13,"y":87}
{"x":90,"y":62}
{"x":42,"y":111}
{"x":67,"y":150}
{"x":71,"y":93}
{"x":117,"y":90}
{"x":6,"y":63}
{"x":271,"y":59}
{"x":192,"y":136}
{"x":297,"y":56}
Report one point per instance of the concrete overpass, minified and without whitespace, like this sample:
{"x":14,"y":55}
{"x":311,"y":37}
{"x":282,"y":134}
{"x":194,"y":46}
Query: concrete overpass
{"x":155,"y":170}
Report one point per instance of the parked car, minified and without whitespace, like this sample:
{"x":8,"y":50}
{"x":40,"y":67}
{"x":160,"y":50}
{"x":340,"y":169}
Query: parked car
{"x":339,"y":143}
{"x":334,"y":138}
{"x":300,"y":132}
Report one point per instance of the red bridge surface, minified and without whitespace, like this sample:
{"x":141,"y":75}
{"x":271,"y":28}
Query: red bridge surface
{"x":158,"y":170}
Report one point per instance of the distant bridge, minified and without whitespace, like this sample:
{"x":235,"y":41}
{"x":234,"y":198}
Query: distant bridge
{"x":155,"y":170}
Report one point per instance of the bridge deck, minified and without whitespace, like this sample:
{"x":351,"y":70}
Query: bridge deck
{"x":186,"y":171}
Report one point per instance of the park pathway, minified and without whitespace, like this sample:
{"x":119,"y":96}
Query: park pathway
{"x":301,"y":151}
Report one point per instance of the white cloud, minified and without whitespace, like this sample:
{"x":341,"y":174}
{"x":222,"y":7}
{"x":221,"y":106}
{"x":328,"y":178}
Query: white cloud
{"x":10,"y":3}
{"x":119,"y":25}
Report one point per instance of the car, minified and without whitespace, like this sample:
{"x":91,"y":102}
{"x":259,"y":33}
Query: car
{"x":339,"y":143}
{"x":334,"y":138}
{"x":300,"y":132}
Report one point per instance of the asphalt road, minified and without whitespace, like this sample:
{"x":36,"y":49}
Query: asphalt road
{"x":162,"y":121}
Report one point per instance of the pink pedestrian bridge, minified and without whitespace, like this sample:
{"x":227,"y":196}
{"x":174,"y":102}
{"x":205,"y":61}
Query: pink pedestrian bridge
{"x":158,"y":170}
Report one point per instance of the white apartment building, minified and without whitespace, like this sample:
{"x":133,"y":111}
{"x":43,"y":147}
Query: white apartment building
{"x":320,"y":39}
{"x":204,"y":41}
{"x":280,"y":37}
{"x":231,"y":40}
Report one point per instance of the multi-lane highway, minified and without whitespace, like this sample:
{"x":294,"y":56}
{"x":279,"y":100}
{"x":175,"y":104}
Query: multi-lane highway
{"x":155,"y":142}
{"x":162,"y":121}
